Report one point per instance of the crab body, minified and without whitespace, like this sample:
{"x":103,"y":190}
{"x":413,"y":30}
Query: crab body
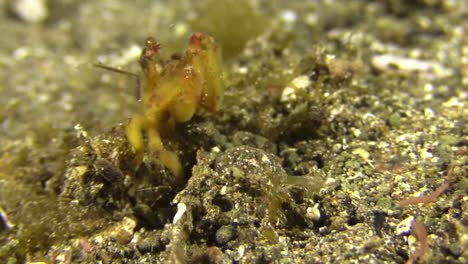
{"x":173,"y":92}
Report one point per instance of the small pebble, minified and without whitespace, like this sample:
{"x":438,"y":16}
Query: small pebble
{"x":225,"y":234}
{"x":123,"y":231}
{"x":314,"y":213}
{"x":394,"y":120}
{"x":404,"y":227}
{"x":152,"y":243}
{"x":31,"y":11}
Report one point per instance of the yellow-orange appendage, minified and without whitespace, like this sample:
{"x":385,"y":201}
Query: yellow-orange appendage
{"x":173,"y":92}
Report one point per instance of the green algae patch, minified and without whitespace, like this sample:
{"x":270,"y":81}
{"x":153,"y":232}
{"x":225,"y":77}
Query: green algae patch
{"x":33,"y":216}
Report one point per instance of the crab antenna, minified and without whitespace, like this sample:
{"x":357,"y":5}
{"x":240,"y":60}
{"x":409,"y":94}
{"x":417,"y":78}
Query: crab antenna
{"x":113,"y":69}
{"x":109,"y":68}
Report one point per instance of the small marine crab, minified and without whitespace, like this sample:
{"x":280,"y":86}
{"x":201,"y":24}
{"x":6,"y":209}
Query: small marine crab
{"x":173,"y":92}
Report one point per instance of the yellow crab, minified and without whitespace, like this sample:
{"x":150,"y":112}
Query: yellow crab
{"x":173,"y":92}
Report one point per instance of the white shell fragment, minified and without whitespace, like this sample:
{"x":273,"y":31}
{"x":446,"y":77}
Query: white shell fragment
{"x":404,"y":65}
{"x":299,"y":83}
{"x":314,"y":213}
{"x":181,"y":208}
{"x":404,"y":227}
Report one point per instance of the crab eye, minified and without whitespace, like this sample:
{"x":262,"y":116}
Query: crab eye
{"x":195,"y":41}
{"x":151,"y":47}
{"x":152,"y":44}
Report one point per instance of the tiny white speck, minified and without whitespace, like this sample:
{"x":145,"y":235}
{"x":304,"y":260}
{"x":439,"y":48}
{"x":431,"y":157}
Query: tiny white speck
{"x":311,"y":19}
{"x":223,"y":190}
{"x":364,"y":154}
{"x":301,"y":82}
{"x":288,"y":94}
{"x":357,"y":132}
{"x":21,"y":53}
{"x":288,"y":16}
{"x":452,"y":102}
{"x":428,"y":87}
{"x":314,"y":212}
{"x":401,"y":138}
{"x":412,"y":156}
{"x":43,"y":98}
{"x":180,"y":29}
{"x":215,"y":150}
{"x":425,"y":155}
{"x":330,"y":181}
{"x":243,"y":70}
{"x":241,"y":251}
{"x":128,"y":55}
{"x":429,"y":113}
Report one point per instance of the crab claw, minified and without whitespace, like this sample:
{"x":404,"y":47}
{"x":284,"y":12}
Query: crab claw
{"x":206,"y":60}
